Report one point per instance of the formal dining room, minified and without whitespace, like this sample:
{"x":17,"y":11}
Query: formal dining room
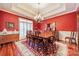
{"x":39,"y":29}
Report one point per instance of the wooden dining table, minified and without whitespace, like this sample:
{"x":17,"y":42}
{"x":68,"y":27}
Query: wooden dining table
{"x":46,"y":34}
{"x":43,"y":38}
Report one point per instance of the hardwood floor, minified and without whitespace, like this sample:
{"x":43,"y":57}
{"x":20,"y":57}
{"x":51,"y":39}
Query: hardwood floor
{"x":9,"y":49}
{"x":72,"y":49}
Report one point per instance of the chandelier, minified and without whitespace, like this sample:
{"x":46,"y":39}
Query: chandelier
{"x":38,"y":16}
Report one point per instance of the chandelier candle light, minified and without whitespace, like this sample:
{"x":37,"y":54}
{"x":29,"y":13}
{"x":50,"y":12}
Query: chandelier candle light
{"x":38,"y":16}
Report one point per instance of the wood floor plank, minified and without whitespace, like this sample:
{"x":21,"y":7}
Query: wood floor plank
{"x":9,"y":51}
{"x":14,"y":49}
{"x":3,"y":50}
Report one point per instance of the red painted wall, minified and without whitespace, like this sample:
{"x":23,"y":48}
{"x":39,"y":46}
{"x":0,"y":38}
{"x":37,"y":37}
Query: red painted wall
{"x":34,"y":25}
{"x":1,"y":21}
{"x":38,"y":26}
{"x":8,"y":17}
{"x":66,"y":22}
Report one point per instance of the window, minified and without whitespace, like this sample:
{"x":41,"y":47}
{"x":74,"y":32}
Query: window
{"x":25,"y":25}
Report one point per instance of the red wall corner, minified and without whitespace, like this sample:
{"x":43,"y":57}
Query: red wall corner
{"x":66,"y":22}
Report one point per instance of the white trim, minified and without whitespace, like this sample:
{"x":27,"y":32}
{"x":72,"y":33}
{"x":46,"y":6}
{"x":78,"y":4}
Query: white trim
{"x":25,"y":20}
{"x":59,"y":14}
{"x":22,"y":19}
{"x":39,"y":1}
{"x":63,"y":34}
{"x":29,"y":21}
{"x":46,"y":17}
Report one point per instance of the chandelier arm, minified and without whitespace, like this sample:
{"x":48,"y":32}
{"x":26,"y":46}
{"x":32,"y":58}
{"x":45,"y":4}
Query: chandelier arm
{"x":38,"y":16}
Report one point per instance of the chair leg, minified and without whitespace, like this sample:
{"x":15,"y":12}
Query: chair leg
{"x":65,"y":40}
{"x":70,"y":41}
{"x":75,"y":42}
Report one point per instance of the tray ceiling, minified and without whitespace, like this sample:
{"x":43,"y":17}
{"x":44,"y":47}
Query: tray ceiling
{"x":47,"y":10}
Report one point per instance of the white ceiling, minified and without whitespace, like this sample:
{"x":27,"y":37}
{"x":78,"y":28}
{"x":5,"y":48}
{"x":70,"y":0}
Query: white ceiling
{"x":47,"y":10}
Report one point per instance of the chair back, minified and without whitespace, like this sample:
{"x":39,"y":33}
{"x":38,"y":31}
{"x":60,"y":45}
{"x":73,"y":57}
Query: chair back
{"x":73,"y":34}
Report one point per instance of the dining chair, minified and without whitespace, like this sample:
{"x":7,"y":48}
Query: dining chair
{"x":72,"y":38}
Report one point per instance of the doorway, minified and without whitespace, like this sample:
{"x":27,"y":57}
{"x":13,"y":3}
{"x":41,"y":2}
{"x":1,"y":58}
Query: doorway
{"x":24,"y":26}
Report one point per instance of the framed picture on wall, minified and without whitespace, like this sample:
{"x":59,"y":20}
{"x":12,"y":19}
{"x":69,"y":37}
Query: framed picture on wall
{"x":53,"y":26}
{"x":10,"y":25}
